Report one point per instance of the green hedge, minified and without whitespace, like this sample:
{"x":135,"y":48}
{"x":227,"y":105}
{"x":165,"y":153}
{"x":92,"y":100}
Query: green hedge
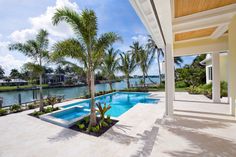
{"x":206,"y":89}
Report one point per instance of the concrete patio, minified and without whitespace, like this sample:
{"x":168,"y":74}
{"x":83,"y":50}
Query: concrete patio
{"x":199,"y":127}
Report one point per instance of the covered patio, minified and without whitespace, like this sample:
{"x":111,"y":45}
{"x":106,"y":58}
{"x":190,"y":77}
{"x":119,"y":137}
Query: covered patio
{"x":192,"y":27}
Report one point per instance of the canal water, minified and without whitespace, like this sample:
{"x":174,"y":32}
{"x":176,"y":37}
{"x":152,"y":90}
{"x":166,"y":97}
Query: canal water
{"x":10,"y":98}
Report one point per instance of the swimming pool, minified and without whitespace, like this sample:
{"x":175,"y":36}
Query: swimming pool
{"x":120,"y":102}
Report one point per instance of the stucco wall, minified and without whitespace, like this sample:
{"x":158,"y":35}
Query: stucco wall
{"x":223,"y":68}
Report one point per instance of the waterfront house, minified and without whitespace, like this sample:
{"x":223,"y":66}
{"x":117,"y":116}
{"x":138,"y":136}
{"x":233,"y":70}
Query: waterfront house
{"x":13,"y":82}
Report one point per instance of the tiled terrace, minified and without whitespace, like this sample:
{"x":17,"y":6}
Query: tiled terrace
{"x":198,"y":128}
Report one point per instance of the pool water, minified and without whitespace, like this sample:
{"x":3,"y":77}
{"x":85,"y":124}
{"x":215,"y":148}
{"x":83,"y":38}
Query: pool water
{"x":120,"y":102}
{"x":71,"y":113}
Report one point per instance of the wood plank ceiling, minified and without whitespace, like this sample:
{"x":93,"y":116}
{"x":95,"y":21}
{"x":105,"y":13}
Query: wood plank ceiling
{"x":194,"y":34}
{"x":188,"y":7}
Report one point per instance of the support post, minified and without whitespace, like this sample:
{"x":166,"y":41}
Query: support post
{"x":232,"y":64}
{"x":216,"y":77}
{"x":169,"y":79}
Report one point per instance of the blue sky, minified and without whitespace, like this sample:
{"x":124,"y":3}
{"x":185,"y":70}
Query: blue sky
{"x":20,"y":21}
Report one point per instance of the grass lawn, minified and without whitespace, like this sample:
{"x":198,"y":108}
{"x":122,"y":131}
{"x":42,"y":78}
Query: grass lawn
{"x":10,"y":88}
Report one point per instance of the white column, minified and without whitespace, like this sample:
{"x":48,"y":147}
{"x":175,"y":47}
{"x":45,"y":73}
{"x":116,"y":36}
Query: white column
{"x":169,"y":79}
{"x":232,"y":64}
{"x":216,"y":76}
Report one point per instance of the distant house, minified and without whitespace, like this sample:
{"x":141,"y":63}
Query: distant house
{"x":13,"y":82}
{"x":61,"y":79}
{"x":223,"y":67}
{"x":53,"y":79}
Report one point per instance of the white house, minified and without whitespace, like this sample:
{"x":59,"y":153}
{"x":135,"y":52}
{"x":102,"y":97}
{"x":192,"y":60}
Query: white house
{"x":223,"y":67}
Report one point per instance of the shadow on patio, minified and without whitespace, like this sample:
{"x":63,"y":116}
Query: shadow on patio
{"x":201,"y":143}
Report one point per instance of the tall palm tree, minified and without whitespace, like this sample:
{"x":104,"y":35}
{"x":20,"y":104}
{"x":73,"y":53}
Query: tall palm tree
{"x":86,"y":47}
{"x":110,"y":65}
{"x":146,"y":58}
{"x":127,"y":65}
{"x":151,"y":45}
{"x":136,"y":49}
{"x":36,"y":49}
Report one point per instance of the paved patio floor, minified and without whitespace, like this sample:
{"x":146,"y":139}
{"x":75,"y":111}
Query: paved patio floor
{"x":199,"y":128}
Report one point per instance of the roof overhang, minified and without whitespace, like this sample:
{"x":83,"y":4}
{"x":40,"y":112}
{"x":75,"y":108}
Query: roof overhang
{"x":192,"y":26}
{"x":156,"y":19}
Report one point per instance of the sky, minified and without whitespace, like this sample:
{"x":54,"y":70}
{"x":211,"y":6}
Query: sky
{"x":21,"y":19}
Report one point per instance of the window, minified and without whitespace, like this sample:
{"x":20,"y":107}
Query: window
{"x":209,"y":73}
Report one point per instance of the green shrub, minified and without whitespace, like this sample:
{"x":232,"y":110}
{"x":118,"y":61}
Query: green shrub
{"x":180,"y":84}
{"x":206,"y":89}
{"x":86,"y":119}
{"x":108,"y":119}
{"x":3,"y":112}
{"x":102,"y":109}
{"x":95,"y":128}
{"x":104,"y":124}
{"x":15,"y":108}
{"x":81,"y":126}
{"x":48,"y":110}
{"x":32,"y":106}
{"x":37,"y":113}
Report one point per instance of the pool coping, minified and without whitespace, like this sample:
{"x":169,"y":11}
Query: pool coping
{"x":57,"y":121}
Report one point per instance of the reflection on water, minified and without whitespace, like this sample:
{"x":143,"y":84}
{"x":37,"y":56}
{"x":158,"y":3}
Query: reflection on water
{"x":10,"y":98}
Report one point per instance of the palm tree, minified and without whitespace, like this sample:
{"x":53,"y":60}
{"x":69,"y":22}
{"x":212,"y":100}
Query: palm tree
{"x":178,"y":61}
{"x":37,"y":50}
{"x":127,"y":65}
{"x":151,"y":45}
{"x":86,"y":47}
{"x":110,"y":65}
{"x":146,"y":58}
{"x":136,"y":49}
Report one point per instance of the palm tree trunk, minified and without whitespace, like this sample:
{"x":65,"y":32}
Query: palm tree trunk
{"x":40,"y":86}
{"x":93,"y":121}
{"x":128,"y":83}
{"x":110,"y":84}
{"x":144,"y":80}
{"x":89,"y":83}
{"x":40,"y":93}
{"x":159,"y":68}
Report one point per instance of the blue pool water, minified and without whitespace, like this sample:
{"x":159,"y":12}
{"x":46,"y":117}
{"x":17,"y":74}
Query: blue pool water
{"x":70,"y":114}
{"x":120,"y":102}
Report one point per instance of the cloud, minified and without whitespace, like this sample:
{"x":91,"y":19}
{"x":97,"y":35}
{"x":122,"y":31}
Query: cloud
{"x":22,"y":35}
{"x":44,"y":21}
{"x":142,"y":39}
{"x":8,"y":60}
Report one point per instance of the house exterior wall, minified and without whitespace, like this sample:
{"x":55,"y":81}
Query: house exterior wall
{"x":223,"y":69}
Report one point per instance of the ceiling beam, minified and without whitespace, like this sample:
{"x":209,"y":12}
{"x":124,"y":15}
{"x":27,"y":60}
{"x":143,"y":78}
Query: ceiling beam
{"x":219,"y":31}
{"x":201,"y":46}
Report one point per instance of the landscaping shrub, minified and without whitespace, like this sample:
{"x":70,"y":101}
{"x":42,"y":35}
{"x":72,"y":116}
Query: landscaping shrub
{"x":32,"y":106}
{"x":206,"y":89}
{"x":15,"y":108}
{"x":3,"y":112}
{"x":45,"y":111}
{"x":180,"y":84}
